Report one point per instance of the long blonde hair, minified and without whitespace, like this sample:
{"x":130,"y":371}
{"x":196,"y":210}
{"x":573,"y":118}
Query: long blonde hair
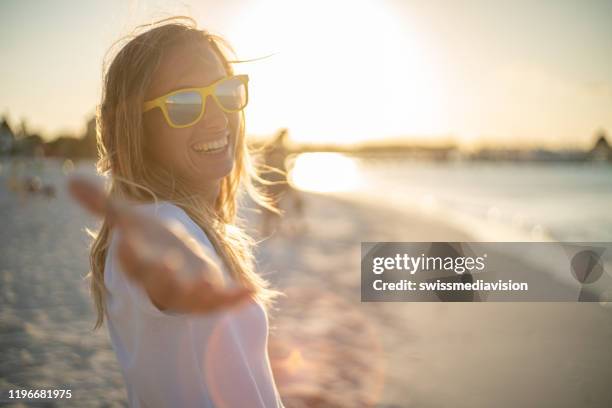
{"x":133,"y":175}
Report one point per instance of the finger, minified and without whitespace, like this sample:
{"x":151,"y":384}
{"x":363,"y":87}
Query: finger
{"x":127,"y":217}
{"x":88,"y":194}
{"x":94,"y":198}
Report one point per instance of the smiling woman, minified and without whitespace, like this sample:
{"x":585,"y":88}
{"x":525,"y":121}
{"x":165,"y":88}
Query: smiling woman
{"x":172,"y":142}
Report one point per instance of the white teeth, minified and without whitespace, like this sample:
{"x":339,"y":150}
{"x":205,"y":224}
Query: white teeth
{"x":218,"y":144}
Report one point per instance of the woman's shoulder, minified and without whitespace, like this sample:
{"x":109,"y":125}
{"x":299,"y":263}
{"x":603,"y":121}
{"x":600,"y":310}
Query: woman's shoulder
{"x":161,"y":209}
{"x":167,"y":212}
{"x":176,"y":218}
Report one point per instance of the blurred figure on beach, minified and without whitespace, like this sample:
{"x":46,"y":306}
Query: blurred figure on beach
{"x":26,"y":175}
{"x":275,"y":158}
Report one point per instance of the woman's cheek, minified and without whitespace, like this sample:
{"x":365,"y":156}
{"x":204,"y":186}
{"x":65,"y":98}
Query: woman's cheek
{"x":164,"y":151}
{"x":234,"y":120}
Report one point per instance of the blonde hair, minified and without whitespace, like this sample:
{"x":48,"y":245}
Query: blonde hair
{"x":133,"y":176}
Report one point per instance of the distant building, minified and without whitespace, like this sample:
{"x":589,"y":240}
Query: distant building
{"x":29,"y":145}
{"x":7,"y":137}
{"x":601,"y":151}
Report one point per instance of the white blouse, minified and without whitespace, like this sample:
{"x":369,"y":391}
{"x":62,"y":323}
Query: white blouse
{"x":168,"y":359}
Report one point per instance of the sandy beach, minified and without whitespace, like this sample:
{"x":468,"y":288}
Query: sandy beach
{"x":327,"y":348}
{"x":425,"y":354}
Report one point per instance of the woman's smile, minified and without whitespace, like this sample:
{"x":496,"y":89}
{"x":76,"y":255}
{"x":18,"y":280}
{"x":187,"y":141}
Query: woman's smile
{"x":213,"y":145}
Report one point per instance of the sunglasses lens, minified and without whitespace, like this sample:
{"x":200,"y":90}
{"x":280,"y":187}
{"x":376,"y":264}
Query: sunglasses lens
{"x":184,"y":107}
{"x":232,"y":94}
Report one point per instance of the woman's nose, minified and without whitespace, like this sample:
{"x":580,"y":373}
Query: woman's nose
{"x":214,"y":117}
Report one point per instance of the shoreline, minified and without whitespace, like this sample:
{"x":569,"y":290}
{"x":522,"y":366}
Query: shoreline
{"x":467,"y":225}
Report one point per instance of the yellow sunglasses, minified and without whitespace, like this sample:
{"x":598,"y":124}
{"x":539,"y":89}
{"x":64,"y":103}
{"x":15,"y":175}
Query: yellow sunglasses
{"x":185,"y":107}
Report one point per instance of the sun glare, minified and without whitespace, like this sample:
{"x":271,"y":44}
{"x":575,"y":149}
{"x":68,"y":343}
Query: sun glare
{"x":324,"y":172}
{"x":343,"y":71}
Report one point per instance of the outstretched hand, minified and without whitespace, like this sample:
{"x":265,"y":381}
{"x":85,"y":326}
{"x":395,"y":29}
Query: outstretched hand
{"x":155,"y":256}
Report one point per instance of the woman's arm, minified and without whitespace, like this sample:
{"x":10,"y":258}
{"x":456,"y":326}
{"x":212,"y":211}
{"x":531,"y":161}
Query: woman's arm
{"x":153,"y":255}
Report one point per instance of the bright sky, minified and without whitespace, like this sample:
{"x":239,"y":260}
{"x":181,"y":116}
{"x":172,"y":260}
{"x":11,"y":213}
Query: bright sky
{"x":514,"y":72}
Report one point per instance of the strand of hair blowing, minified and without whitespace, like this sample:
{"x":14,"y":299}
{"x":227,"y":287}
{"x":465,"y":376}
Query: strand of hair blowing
{"x":132,"y":175}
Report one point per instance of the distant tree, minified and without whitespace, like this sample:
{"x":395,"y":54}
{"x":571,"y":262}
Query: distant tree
{"x":7,"y":136}
{"x":23,"y":129}
{"x":63,"y":146}
{"x":601,"y":149}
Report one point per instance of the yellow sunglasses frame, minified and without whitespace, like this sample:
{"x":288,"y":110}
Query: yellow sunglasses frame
{"x":160,"y":102}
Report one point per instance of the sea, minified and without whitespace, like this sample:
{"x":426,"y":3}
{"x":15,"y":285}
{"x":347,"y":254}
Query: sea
{"x":496,"y":201}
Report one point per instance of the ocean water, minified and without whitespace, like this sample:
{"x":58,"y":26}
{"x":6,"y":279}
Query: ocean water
{"x":559,"y":201}
{"x":497,"y":201}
